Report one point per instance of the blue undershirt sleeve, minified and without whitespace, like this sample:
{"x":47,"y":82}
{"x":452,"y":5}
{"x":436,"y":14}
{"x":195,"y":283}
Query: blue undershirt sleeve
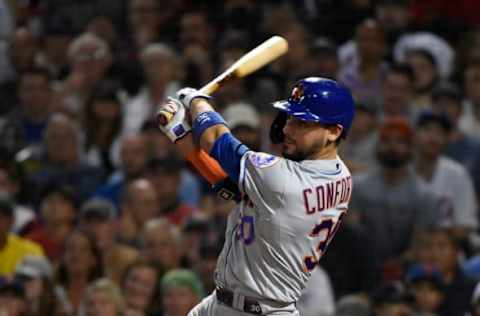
{"x":228,"y":151}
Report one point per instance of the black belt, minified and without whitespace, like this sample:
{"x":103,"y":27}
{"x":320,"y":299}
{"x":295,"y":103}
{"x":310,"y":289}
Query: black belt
{"x":250,"y":305}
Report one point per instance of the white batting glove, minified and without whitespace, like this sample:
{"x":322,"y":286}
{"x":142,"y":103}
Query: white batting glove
{"x":178,"y":125}
{"x":186,"y":95}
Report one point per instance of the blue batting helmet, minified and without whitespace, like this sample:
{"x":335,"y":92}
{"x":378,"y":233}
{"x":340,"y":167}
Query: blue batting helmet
{"x":320,"y":100}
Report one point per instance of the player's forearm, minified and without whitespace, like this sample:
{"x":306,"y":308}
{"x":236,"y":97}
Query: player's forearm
{"x":211,"y":134}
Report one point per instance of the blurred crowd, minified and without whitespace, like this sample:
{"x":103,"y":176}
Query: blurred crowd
{"x":99,"y":214}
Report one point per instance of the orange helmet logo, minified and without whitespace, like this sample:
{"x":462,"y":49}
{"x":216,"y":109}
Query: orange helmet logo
{"x":297,"y":93}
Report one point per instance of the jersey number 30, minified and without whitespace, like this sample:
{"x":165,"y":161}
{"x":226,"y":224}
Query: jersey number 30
{"x":325,"y":229}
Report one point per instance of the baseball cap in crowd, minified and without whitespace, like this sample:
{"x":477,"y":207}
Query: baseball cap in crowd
{"x":425,"y":273}
{"x":427,"y":117}
{"x":396,"y":125}
{"x":34,"y":267}
{"x":324,"y":46}
{"x":98,"y":208}
{"x":447,"y":89}
{"x":183,"y":278}
{"x":241,"y":114}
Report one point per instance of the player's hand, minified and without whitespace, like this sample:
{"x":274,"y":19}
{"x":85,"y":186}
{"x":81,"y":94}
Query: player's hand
{"x":186,"y":95}
{"x":178,"y":125}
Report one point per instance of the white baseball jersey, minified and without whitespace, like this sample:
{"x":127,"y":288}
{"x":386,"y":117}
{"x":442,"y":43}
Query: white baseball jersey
{"x":277,"y":234}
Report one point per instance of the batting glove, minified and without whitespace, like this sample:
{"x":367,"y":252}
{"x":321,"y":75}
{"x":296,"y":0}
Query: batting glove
{"x":178,"y":125}
{"x":186,"y":96}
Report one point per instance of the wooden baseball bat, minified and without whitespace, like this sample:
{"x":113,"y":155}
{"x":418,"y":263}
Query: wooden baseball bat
{"x":255,"y":59}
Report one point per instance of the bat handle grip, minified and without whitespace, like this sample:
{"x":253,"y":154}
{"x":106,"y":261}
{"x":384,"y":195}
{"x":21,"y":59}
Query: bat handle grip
{"x":163,"y":117}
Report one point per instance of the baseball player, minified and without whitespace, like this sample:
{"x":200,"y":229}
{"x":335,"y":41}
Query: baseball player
{"x":290,"y":206}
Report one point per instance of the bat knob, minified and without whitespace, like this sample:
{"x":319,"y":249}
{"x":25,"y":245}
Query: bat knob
{"x":163,"y":118}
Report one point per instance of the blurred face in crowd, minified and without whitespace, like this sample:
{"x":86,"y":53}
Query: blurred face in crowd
{"x":99,"y":304}
{"x":58,"y":215}
{"x":5,"y":224}
{"x":106,"y":111}
{"x":92,"y":60}
{"x":134,"y":155}
{"x":103,"y":229}
{"x":22,"y":48}
{"x":139,"y":287}
{"x":35,"y":95}
{"x":159,"y":68}
{"x":444,"y":252}
{"x":142,"y":201}
{"x":393,"y":150}
{"x":61,"y":141}
{"x":472,"y":83}
{"x":427,"y":297}
{"x":12,"y":305}
{"x":431,"y":139}
{"x":179,"y":300}
{"x":34,"y":288}
{"x":166,"y":184}
{"x":55,"y":47}
{"x":78,"y":256}
{"x":162,"y":247}
{"x":145,"y":14}
{"x":8,"y":185}
{"x":393,"y":17}
{"x":397,"y":93}
{"x":449,"y":106}
{"x":370,"y":41}
{"x":363,"y":124}
{"x":426,"y":73}
{"x":194,"y":29}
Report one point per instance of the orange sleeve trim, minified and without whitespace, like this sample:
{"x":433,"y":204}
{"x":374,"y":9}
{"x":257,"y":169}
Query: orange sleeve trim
{"x":208,"y":167}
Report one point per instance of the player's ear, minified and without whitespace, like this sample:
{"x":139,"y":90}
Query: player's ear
{"x":334,"y":132}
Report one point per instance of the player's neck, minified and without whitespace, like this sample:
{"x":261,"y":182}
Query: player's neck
{"x":327,"y":153}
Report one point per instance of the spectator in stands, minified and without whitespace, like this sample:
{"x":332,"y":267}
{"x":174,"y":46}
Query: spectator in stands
{"x":98,"y":216}
{"x":141,"y":288}
{"x":12,"y":299}
{"x":64,"y":166}
{"x":103,"y":125}
{"x":162,"y":244}
{"x":103,"y":298}
{"x":139,"y":205}
{"x":181,"y":291}
{"x":426,"y":74}
{"x":165,"y":176}
{"x":90,"y":60}
{"x":57,"y":218}
{"x":365,"y":76}
{"x":244,"y":122}
{"x":391,"y":205}
{"x":469,"y":122}
{"x":398,"y":92}
{"x":134,"y":153}
{"x":81,"y":263}
{"x":12,"y":248}
{"x":206,"y":264}
{"x":444,"y":176}
{"x":36,"y":275}
{"x":427,"y":287}
{"x":392,"y":300}
{"x":461,"y":147}
{"x":26,"y":124}
{"x":459,"y":288}
{"x":326,"y":63}
{"x":359,"y":149}
{"x":10,"y":186}
{"x":160,"y":65}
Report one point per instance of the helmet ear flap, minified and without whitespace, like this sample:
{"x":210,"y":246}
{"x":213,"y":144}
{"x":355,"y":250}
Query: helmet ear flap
{"x":276,"y":129}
